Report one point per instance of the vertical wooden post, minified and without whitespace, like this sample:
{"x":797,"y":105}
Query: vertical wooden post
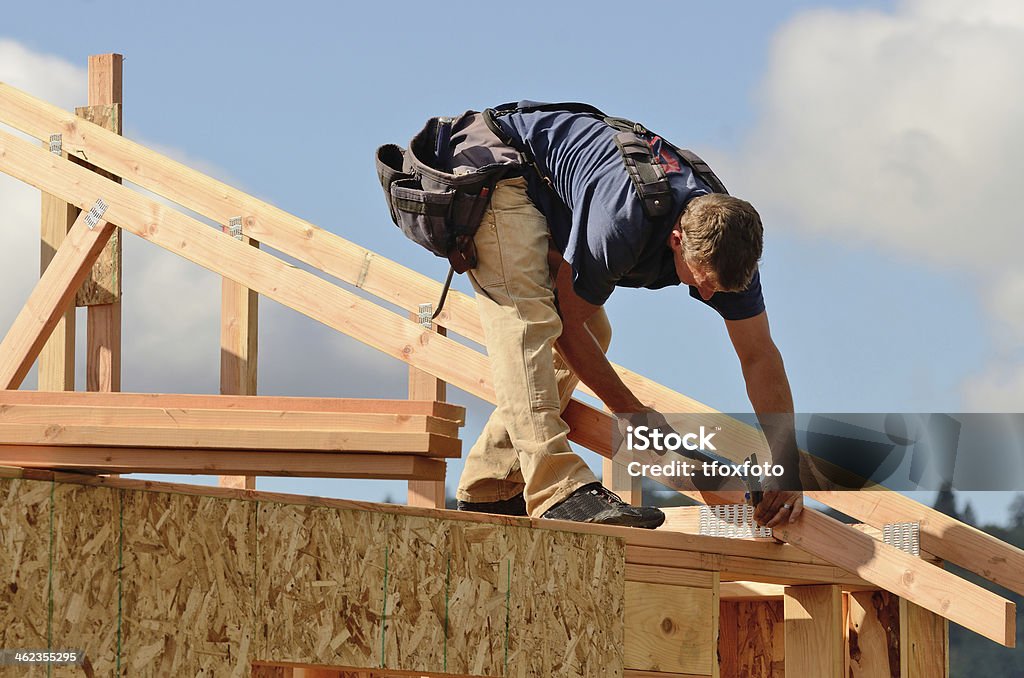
{"x":102,"y":294}
{"x":57,"y":359}
{"x":924,"y":643}
{"x":425,"y":386}
{"x":239,"y":333}
{"x":872,"y":634}
{"x":814,"y":627}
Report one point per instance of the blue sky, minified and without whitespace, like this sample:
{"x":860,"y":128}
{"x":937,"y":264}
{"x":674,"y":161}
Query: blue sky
{"x":289,"y":101}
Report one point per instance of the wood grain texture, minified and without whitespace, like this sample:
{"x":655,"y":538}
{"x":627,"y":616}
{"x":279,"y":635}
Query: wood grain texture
{"x":231,"y":404}
{"x":103,"y":320}
{"x":232,"y":462}
{"x":814,"y":630}
{"x":872,"y":635}
{"x":924,"y":643}
{"x":57,"y":357}
{"x":669,"y":629}
{"x":184,"y":437}
{"x":907,"y":576}
{"x":425,"y":386}
{"x":211,"y":582}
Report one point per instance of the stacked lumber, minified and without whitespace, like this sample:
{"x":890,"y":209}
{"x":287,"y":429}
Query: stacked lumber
{"x":227,"y":435}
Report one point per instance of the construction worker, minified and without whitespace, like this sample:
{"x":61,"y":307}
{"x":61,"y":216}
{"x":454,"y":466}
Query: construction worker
{"x":551,"y":247}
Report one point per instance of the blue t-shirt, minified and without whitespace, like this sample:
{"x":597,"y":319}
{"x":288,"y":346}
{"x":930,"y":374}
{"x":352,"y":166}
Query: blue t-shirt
{"x":596,"y":219}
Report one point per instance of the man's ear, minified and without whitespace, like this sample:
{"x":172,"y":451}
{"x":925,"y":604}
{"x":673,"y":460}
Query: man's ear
{"x":675,"y":240}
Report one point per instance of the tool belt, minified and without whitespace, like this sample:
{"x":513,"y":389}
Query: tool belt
{"x":434,"y":207}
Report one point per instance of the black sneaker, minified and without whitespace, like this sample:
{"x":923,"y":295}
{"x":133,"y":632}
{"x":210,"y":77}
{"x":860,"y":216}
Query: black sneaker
{"x":593,"y":503}
{"x":514,"y":506}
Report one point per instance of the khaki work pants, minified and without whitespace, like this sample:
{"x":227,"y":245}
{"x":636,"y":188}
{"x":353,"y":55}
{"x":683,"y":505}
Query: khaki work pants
{"x":524,"y":445}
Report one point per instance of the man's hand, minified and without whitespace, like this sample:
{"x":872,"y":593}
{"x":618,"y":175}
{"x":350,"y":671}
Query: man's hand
{"x":778,"y":507}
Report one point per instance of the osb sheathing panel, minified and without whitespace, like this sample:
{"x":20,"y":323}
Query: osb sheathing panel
{"x":24,"y":566}
{"x":210,"y":584}
{"x":328,"y":572}
{"x":187,"y":585}
{"x":84,"y":582}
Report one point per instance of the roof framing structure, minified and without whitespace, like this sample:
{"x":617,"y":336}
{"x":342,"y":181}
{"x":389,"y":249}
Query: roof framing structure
{"x":114,"y":431}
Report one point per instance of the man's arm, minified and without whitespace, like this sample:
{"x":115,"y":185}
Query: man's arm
{"x":768,"y":389}
{"x":580,"y":349}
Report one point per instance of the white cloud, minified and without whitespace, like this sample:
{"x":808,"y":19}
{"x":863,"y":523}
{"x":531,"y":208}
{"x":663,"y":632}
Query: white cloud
{"x":902,"y":130}
{"x":42,"y":75}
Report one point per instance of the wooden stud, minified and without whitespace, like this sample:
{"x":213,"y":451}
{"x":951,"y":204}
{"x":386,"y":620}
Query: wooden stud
{"x":924,"y":643}
{"x":872,"y":634}
{"x":57,"y":357}
{"x":814,"y":631}
{"x":239,"y":342}
{"x":425,"y":386}
{"x":103,"y":326}
{"x":670,"y":629}
{"x":50,"y":299}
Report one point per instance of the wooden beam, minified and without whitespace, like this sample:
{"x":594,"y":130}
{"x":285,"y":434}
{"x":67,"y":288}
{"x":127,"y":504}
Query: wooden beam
{"x":57,"y":357}
{"x":280,"y":420}
{"x":52,"y":296}
{"x":184,"y":437}
{"x":446,"y":411}
{"x":739,"y":567}
{"x":425,"y":386}
{"x":945,"y":537}
{"x":233,"y":462}
{"x":814,"y":631}
{"x":907,"y":576}
{"x":239,"y":345}
{"x":751,"y":590}
{"x":103,"y":324}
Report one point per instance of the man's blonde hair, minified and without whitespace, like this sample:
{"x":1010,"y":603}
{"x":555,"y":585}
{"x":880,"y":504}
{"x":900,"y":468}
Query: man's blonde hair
{"x":725,"y":233}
